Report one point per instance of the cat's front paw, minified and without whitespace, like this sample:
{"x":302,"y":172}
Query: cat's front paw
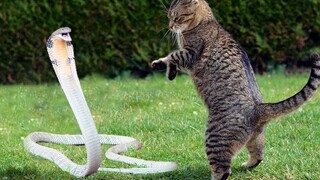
{"x":172,"y":72}
{"x":159,"y":65}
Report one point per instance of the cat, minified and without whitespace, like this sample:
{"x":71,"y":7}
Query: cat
{"x":224,"y":79}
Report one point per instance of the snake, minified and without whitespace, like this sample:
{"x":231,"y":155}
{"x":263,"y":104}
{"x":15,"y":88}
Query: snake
{"x":61,"y":54}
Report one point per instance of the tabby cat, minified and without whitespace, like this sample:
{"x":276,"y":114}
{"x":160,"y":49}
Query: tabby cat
{"x":223,"y":76}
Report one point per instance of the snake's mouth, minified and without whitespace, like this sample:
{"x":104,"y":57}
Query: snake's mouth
{"x":65,"y":36}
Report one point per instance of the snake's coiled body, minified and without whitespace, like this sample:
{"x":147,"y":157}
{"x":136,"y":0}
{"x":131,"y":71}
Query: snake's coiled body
{"x":61,"y":54}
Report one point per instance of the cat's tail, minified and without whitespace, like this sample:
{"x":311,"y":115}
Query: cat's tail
{"x":269,"y":111}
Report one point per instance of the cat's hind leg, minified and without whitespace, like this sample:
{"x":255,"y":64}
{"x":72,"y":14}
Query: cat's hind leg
{"x":220,"y":149}
{"x":256,"y":149}
{"x":220,"y":161}
{"x":225,"y":137}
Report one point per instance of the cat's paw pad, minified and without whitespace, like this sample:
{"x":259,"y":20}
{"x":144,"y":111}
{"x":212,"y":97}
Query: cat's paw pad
{"x":159,"y":65}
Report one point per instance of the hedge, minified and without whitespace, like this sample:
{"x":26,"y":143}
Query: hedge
{"x":115,"y":36}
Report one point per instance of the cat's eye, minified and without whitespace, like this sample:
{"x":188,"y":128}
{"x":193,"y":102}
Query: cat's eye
{"x":176,"y":19}
{"x":187,"y":14}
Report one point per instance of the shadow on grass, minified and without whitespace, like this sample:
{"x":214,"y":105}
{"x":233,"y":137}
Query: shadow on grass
{"x":242,"y":173}
{"x":187,"y":173}
{"x":198,"y":173}
{"x":18,"y":173}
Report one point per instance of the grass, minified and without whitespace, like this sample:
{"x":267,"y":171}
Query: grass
{"x":168,"y":117}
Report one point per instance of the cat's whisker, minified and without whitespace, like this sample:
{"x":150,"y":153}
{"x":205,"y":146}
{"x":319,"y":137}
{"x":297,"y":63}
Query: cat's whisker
{"x":162,"y":29}
{"x":168,"y":31}
{"x":170,"y":34}
{"x":164,"y":6}
{"x":174,"y":36}
{"x":164,"y":10}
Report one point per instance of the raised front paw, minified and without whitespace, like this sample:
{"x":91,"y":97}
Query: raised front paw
{"x":159,"y":65}
{"x":172,"y":72}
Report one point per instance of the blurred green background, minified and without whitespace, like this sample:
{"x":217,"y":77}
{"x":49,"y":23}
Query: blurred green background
{"x":112,"y":37}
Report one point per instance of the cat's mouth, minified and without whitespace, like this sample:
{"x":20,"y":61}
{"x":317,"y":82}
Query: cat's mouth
{"x":177,"y":29}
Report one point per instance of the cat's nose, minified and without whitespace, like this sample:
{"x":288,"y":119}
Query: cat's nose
{"x":171,"y":25}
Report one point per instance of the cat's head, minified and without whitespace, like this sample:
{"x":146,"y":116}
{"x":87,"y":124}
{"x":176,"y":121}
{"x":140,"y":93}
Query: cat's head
{"x":187,"y":14}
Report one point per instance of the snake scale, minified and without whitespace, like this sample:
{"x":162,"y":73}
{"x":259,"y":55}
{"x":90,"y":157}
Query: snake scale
{"x":60,"y":50}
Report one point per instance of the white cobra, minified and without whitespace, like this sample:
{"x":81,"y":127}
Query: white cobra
{"x":61,"y":54}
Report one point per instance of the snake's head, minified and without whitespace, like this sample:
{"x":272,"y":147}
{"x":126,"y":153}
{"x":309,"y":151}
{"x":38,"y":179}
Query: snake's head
{"x":62,"y":33}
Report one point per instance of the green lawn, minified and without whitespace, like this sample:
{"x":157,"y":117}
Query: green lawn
{"x":168,"y":117}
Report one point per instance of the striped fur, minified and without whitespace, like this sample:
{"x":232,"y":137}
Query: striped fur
{"x":273,"y":110}
{"x":224,"y":79}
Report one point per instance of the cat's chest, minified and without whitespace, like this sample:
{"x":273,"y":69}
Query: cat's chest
{"x":184,"y":40}
{"x":180,"y":41}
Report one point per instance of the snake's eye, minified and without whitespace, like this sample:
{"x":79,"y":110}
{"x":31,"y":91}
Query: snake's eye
{"x":64,"y":36}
